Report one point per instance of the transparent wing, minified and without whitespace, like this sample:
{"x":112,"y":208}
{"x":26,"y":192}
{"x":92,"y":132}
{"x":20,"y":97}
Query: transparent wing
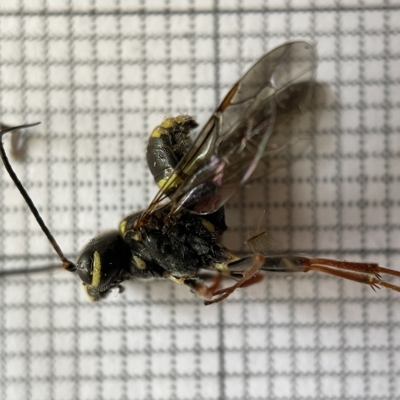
{"x":256,"y":118}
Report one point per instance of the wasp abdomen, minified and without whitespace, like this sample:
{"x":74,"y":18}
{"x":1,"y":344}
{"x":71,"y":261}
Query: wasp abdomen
{"x":168,"y":143}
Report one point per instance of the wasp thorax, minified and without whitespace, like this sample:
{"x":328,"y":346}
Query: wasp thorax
{"x":103,"y":264}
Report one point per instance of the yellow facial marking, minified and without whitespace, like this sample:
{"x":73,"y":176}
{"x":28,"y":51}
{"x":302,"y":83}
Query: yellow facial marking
{"x":140,"y":264}
{"x":122,"y":227}
{"x":208,"y":225}
{"x":96,"y":277}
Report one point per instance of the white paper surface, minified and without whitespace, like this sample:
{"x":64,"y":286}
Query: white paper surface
{"x":99,"y":76}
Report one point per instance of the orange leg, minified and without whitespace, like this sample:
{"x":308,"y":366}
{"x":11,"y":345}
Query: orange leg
{"x":248,"y":276}
{"x":367,"y":273}
{"x":246,"y":269}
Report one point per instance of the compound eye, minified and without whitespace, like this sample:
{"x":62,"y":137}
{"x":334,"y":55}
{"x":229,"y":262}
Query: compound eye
{"x":103,"y":264}
{"x":84,"y":266}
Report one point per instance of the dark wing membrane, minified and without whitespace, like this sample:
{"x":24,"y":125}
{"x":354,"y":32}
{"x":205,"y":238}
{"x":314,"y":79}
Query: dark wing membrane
{"x":253,"y":120}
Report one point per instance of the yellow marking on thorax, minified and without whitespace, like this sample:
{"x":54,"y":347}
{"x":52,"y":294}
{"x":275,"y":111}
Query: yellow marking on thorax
{"x":140,"y":264}
{"x":221,"y":266}
{"x":208,"y":225}
{"x":179,"y":281}
{"x":136,"y":236}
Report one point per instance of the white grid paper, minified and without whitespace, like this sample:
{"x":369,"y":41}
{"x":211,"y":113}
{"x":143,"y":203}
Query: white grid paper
{"x":100,"y":75}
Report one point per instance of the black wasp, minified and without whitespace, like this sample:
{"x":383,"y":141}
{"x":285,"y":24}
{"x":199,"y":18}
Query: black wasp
{"x":178,"y":236}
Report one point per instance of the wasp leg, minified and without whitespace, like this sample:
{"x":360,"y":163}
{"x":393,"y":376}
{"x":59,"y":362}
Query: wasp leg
{"x":367,"y":273}
{"x":198,"y":286}
{"x":247,"y":268}
{"x":253,"y":280}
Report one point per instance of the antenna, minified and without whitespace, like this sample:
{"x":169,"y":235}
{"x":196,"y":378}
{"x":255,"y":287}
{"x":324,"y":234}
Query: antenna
{"x":66,"y":264}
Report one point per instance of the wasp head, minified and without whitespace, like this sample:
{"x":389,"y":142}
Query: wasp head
{"x":103,"y":264}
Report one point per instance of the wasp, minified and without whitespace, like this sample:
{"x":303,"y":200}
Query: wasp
{"x":178,"y":236}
